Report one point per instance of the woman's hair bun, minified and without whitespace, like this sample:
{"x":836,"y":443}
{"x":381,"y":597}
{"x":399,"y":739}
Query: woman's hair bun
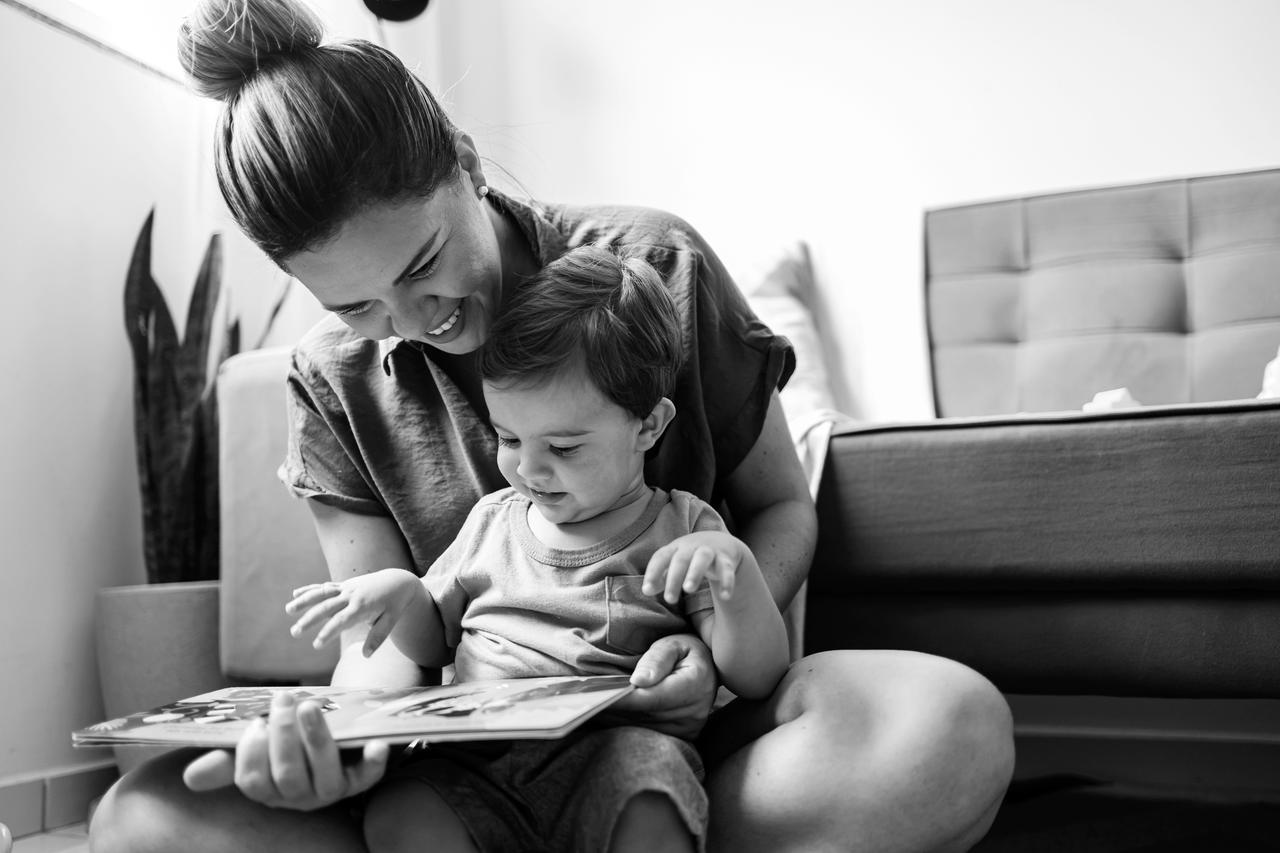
{"x":222,"y":43}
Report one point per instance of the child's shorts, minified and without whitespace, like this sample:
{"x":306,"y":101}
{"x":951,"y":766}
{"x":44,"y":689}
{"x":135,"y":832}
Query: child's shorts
{"x":523,"y":796}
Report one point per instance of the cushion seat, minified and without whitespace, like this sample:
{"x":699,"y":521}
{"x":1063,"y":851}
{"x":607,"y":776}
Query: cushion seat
{"x":1125,"y":553}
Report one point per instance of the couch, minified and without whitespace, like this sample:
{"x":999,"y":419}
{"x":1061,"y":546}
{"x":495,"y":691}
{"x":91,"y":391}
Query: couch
{"x":1130,"y":553}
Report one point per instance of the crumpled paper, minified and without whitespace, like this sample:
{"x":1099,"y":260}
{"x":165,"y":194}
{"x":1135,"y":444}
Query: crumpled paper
{"x":1110,"y":400}
{"x":1271,"y":379}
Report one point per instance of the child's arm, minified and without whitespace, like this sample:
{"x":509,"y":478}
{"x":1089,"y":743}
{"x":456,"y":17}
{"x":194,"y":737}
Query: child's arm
{"x":392,"y":602}
{"x":745,"y":631}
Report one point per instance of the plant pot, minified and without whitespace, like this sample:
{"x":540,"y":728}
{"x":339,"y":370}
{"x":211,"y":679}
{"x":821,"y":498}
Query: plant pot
{"x":156,"y":643}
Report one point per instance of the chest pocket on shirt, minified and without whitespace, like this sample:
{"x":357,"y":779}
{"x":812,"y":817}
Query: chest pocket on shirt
{"x":636,"y":619}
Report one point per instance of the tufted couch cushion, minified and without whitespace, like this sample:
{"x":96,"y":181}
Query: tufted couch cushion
{"x":1171,"y":289}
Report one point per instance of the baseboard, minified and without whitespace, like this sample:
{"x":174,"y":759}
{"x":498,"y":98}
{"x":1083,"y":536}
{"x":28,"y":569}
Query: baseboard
{"x":43,"y":801}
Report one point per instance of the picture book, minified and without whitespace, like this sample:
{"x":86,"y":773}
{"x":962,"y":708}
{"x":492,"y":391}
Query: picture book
{"x":514,"y":708}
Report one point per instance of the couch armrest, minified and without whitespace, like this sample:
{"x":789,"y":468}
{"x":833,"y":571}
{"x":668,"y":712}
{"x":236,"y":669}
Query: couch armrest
{"x":1129,"y":553}
{"x":268,"y":540}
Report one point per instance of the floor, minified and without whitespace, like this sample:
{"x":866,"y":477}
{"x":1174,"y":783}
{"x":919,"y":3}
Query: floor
{"x":68,"y":839}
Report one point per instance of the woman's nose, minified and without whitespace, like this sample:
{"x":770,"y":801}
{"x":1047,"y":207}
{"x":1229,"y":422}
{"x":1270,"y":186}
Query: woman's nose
{"x":410,"y":315}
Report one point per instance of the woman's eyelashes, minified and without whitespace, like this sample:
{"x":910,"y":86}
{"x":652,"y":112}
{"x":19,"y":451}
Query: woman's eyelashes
{"x":354,"y":310}
{"x":426,"y":269}
{"x":419,"y":274}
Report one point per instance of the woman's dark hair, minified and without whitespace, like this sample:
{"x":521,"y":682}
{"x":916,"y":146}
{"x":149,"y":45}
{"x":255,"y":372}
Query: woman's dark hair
{"x":310,"y":133}
{"x":611,"y":316}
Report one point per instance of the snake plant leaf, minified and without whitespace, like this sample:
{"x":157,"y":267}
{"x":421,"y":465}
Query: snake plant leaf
{"x":193,"y":360}
{"x":153,"y":340}
{"x":176,"y":412}
{"x":275,"y":312}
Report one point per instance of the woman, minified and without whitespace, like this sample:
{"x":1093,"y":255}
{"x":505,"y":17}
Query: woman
{"x":340,"y":165}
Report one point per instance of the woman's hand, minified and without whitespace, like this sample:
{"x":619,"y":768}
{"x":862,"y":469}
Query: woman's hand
{"x":289,"y":761}
{"x":675,"y":686}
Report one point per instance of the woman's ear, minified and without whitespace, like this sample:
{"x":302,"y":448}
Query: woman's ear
{"x":469,"y":161}
{"x":652,"y":427}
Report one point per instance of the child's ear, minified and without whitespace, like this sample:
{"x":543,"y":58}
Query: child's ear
{"x":652,"y":427}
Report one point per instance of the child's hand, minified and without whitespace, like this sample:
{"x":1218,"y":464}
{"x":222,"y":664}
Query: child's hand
{"x":376,"y":599}
{"x":685,"y":563}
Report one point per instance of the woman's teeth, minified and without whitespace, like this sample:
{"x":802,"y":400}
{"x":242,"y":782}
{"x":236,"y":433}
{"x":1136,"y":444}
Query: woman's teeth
{"x":447,"y":324}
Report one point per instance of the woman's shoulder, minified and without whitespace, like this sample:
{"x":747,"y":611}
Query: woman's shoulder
{"x":639,"y":228}
{"x":331,"y":345}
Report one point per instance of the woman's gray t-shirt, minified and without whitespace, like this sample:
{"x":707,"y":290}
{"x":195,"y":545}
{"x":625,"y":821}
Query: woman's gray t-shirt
{"x":382,"y":427}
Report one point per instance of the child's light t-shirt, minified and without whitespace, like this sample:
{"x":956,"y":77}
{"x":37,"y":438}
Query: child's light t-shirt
{"x":513,"y":607}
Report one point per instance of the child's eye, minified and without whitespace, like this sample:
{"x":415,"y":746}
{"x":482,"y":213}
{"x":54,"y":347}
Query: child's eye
{"x":426,"y":269}
{"x":565,"y":451}
{"x":508,"y":442}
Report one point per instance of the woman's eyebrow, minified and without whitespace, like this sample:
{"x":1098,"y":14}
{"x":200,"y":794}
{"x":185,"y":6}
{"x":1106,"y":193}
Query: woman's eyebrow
{"x":416,"y":260}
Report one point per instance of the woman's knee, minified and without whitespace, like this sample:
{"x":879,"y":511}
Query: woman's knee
{"x":951,"y":720}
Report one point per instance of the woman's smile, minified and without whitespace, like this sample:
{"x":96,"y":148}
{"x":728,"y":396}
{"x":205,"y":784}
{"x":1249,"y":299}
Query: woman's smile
{"x":448,"y":323}
{"x":426,"y":269}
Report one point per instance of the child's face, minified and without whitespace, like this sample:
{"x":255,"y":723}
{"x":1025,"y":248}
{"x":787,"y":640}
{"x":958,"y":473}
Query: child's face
{"x":569,"y":449}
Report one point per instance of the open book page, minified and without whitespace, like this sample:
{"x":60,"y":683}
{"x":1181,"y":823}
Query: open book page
{"x":479,"y":710}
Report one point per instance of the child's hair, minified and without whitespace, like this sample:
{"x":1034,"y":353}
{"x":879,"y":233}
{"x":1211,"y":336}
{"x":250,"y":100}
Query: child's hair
{"x":592,"y":309}
{"x":310,"y":133}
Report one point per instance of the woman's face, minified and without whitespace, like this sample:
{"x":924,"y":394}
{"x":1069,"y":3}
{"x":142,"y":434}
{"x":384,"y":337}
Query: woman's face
{"x":427,"y":270}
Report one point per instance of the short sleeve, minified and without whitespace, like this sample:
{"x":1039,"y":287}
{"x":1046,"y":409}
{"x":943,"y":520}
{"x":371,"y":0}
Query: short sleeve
{"x":318,"y":460}
{"x":444,"y":581}
{"x":742,"y":361}
{"x":733,"y":365}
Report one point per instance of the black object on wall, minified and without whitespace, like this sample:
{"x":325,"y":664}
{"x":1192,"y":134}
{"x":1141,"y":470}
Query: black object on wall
{"x":396,"y":10}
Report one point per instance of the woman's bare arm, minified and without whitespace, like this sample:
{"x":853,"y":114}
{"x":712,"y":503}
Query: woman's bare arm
{"x":769,"y":499}
{"x":353,"y":545}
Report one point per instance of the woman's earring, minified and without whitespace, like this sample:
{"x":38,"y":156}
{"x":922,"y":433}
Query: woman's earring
{"x":482,"y":190}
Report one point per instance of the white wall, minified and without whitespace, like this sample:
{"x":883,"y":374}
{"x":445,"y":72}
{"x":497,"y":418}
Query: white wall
{"x":841,"y":121}
{"x":90,"y":143}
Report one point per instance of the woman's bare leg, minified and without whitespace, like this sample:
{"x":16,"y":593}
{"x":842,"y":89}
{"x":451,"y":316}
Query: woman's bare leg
{"x":150,"y":809}
{"x":861,"y":750}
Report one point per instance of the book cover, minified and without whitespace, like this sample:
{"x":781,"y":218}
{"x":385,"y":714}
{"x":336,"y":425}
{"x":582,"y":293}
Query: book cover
{"x":548,"y":707}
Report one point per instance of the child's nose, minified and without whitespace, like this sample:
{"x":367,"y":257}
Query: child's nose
{"x":532,"y":466}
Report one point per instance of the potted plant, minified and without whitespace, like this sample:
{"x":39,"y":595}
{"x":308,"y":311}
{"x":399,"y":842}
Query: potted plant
{"x":159,"y":641}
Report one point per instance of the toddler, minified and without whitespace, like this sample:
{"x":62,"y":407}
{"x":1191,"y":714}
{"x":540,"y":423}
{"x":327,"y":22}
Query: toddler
{"x":575,"y":569}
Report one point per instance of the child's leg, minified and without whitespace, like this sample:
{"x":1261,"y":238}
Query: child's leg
{"x":408,"y":816}
{"x":629,"y":789}
{"x":650,"y":823}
